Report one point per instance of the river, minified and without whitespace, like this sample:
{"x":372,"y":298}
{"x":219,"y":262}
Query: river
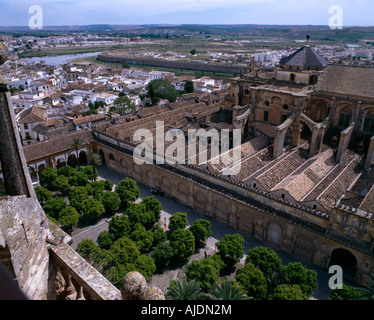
{"x":61,"y":59}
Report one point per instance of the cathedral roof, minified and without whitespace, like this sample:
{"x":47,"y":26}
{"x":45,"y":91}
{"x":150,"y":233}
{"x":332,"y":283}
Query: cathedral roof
{"x":304,"y":57}
{"x":347,"y":81}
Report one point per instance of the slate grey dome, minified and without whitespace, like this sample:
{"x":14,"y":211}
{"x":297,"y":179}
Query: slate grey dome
{"x":304,"y":57}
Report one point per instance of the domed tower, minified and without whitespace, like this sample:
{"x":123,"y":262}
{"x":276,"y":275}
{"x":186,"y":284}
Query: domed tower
{"x":304,"y":66}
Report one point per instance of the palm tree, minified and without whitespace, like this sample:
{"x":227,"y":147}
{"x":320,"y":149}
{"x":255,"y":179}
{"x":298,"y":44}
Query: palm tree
{"x":228,"y":290}
{"x":368,"y":294}
{"x":184,"y":290}
{"x":273,"y":280}
{"x":95,"y":160}
{"x":75,"y":147}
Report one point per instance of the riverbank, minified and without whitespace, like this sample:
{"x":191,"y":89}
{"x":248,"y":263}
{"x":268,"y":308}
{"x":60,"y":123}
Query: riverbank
{"x":178,"y":72}
{"x":67,"y":51}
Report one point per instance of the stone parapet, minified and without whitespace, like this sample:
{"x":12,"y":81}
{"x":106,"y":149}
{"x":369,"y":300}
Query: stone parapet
{"x":78,"y":275}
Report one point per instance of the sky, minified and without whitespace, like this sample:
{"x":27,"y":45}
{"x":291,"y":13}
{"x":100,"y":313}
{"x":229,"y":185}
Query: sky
{"x":280,"y":12}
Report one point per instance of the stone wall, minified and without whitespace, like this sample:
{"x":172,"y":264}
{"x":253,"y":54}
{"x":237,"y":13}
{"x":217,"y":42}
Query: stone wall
{"x":276,"y":223}
{"x":169,"y":64}
{"x":23,"y":234}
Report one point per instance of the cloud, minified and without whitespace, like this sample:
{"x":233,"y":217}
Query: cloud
{"x":63,"y":12}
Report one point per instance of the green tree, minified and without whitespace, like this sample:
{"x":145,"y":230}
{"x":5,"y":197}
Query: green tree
{"x":108,"y":185}
{"x":96,"y":189}
{"x":193,"y":52}
{"x":217,"y":261}
{"x":162,"y":89}
{"x":86,"y":247}
{"x":116,"y":273}
{"x":69,"y":217}
{"x":122,"y":106}
{"x":183,"y":244}
{"x":252,"y":279}
{"x":47,"y":178}
{"x":178,"y":221}
{"x":189,"y":86}
{"x":146,"y":266}
{"x":54,"y":206}
{"x":153,"y":206}
{"x":288,"y":292}
{"x":93,"y":209}
{"x":163,"y":254}
{"x":90,"y":171}
{"x":368,"y":293}
{"x":43,"y":195}
{"x":79,"y":179}
{"x":274,"y":280}
{"x":227,"y":290}
{"x":231,"y":248}
{"x":102,"y":259}
{"x":124,"y":251}
{"x":119,"y":226}
{"x":137,"y":214}
{"x":66,"y":171}
{"x":184,"y":290}
{"x":128,"y":190}
{"x":201,"y":229}
{"x":346,"y":293}
{"x":96,"y":161}
{"x":111,"y":202}
{"x":296,"y":273}
{"x":204,"y":272}
{"x":142,"y":238}
{"x":61,"y":184}
{"x":77,"y":196}
{"x":159,"y":235}
{"x":266,"y":259}
{"x":105,"y":240}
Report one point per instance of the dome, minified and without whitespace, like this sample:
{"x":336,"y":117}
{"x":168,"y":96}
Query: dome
{"x":304,"y":57}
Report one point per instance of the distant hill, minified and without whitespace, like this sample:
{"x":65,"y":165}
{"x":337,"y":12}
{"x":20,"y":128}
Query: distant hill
{"x":348,"y":34}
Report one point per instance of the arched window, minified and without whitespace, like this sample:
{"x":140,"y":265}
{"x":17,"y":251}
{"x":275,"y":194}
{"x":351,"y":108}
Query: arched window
{"x":313,"y":80}
{"x":345,"y":117}
{"x":292,"y":77}
{"x":369,"y":123}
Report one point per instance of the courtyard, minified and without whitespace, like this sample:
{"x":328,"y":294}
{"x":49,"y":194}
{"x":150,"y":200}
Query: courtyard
{"x":219,"y":229}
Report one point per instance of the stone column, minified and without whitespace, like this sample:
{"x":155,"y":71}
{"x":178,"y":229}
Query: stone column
{"x":16,"y":175}
{"x":296,"y":134}
{"x":279,"y":143}
{"x":332,"y":114}
{"x":313,"y":143}
{"x":345,"y":138}
{"x":357,"y":115}
{"x":370,"y":156}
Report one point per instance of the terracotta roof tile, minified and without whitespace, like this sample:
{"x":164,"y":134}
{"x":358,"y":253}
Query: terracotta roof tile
{"x":347,"y":81}
{"x":54,"y":146}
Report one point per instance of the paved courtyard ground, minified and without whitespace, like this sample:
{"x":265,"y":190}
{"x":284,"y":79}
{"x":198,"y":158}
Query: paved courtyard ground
{"x":219,"y":229}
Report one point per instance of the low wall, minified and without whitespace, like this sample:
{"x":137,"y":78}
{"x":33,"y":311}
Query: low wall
{"x":170,"y":64}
